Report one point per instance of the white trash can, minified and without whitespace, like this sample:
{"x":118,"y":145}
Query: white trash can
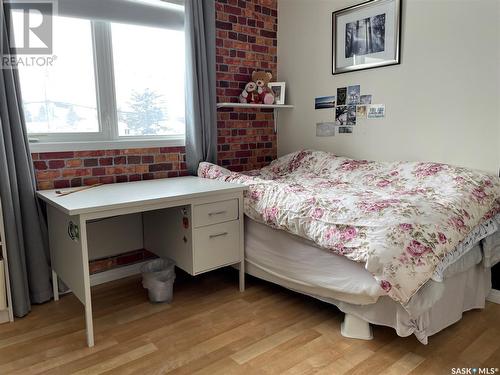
{"x":158,"y":278}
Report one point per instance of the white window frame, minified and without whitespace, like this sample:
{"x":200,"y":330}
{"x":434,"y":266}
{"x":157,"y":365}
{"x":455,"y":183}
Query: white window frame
{"x":107,"y":137}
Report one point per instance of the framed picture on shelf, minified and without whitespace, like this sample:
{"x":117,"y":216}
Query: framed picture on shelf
{"x":279,"y":91}
{"x":366,"y":36}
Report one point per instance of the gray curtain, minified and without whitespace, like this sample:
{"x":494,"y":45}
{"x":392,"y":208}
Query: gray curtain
{"x":25,"y":228}
{"x":201,"y":121}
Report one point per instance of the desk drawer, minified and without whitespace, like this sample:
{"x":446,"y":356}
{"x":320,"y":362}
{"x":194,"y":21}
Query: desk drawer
{"x":214,"y":213}
{"x":216,"y":245}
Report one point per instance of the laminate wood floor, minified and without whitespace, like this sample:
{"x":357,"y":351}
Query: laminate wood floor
{"x":211,"y":328}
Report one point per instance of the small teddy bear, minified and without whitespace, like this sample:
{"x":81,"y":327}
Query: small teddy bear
{"x":249,"y":94}
{"x":262,"y":79}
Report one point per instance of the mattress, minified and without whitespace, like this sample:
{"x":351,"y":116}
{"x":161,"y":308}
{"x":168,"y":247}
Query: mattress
{"x":297,"y":263}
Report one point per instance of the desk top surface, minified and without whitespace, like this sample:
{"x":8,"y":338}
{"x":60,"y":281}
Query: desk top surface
{"x":133,"y":194}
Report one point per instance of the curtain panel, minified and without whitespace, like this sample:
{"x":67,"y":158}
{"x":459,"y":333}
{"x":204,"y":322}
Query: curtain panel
{"x":201,"y":111}
{"x":25,"y":228}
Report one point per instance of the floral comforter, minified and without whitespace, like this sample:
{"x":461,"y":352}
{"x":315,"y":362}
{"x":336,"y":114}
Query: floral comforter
{"x":399,"y":218}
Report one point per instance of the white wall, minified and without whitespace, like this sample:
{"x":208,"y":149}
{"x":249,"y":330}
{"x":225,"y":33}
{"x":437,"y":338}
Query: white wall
{"x":442,"y":102}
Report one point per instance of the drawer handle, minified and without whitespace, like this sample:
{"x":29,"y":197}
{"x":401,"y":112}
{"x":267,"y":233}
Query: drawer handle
{"x":218,"y":235}
{"x":217,"y":213}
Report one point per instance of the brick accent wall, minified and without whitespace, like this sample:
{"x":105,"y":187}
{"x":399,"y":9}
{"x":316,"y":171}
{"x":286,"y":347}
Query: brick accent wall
{"x":58,"y":170}
{"x":246,"y":41}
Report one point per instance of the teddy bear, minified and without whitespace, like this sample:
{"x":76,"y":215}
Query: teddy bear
{"x":262,"y":79}
{"x":249,"y":94}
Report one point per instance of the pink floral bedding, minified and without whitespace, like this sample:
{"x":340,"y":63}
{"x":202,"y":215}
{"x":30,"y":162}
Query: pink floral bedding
{"x":399,"y":218}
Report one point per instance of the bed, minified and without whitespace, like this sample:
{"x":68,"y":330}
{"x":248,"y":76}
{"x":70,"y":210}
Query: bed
{"x":401,"y":244}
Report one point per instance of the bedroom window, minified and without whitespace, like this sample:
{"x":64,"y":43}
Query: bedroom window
{"x":51,"y":105}
{"x":115,"y":78}
{"x":149,"y":97}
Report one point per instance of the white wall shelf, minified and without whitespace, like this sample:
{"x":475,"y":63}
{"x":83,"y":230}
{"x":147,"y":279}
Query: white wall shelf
{"x":275,"y":107}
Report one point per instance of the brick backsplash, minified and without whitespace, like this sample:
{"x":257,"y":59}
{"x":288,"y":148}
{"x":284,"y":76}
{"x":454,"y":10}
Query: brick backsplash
{"x":246,"y":41}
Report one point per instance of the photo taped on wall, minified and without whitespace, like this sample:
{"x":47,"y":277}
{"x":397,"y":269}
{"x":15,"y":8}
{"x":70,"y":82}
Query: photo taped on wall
{"x":353,"y":94}
{"x":361,"y":111}
{"x":351,"y":115}
{"x":345,"y":129}
{"x":341,"y":95}
{"x":341,"y":115}
{"x":324,"y":102}
{"x":325,"y":129}
{"x":365,"y":99}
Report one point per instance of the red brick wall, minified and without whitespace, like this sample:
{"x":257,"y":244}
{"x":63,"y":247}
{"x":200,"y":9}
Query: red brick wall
{"x":76,"y":168}
{"x":246,"y":41}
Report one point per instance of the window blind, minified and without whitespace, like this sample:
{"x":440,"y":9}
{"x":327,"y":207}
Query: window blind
{"x":154,"y":13}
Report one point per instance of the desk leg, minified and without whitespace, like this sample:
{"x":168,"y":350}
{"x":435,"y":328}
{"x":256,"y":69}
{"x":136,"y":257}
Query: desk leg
{"x":89,"y":324}
{"x":242,"y":275}
{"x":55,"y":286}
{"x":87,"y":300}
{"x":242,"y":244}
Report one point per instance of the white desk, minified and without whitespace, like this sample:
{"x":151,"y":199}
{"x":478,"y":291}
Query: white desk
{"x":197,"y":222}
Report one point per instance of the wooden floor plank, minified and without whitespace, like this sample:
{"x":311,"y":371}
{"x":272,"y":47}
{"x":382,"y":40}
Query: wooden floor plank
{"x":211,"y":328}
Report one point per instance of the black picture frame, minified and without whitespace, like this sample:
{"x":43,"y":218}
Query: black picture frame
{"x":397,"y":37}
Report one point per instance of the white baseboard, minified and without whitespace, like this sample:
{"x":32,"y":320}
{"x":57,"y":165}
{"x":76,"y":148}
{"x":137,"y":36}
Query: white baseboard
{"x":116,"y":273}
{"x":494,"y":296}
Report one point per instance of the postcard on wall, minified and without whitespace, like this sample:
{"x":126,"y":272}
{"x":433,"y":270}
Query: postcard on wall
{"x":345,"y":129}
{"x":353,"y":94}
{"x":351,"y":115}
{"x":341,"y":95}
{"x":376,"y":111}
{"x":325,"y":129}
{"x":365,"y":99}
{"x":361,"y":111}
{"x":323,"y":102}
{"x":341,"y":115}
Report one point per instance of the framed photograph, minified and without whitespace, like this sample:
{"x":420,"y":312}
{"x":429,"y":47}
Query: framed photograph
{"x":279,"y":91}
{"x":366,"y":36}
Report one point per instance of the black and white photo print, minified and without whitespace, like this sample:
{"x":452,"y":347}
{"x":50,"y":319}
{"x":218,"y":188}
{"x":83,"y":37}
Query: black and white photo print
{"x":365,"y":36}
{"x":341,"y":115}
{"x":351,"y":115}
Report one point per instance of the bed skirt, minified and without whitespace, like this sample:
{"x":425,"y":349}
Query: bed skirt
{"x":296,"y":264}
{"x":462,"y":292}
